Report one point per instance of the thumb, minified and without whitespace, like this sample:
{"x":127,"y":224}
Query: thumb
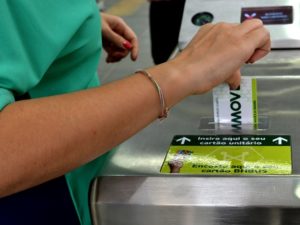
{"x":235,"y":80}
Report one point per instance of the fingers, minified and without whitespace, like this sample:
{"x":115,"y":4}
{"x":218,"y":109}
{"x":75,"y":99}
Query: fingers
{"x":235,"y":80}
{"x":116,"y":39}
{"x":256,"y":36}
{"x":135,"y":48}
{"x":249,"y":25}
{"x":132,"y":41}
{"x":258,"y":54}
{"x":260,"y":38}
{"x":115,"y":57}
{"x":118,"y":34}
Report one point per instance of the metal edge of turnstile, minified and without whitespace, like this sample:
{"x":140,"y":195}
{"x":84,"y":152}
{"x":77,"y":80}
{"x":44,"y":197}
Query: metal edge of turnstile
{"x":135,"y":195}
{"x":148,"y":200}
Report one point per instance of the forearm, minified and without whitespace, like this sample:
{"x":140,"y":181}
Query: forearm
{"x":44,"y":138}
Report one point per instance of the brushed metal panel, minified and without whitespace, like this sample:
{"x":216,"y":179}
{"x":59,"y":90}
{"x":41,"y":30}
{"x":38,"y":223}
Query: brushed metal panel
{"x":177,"y":200}
{"x":132,"y":191}
{"x":278,"y":103}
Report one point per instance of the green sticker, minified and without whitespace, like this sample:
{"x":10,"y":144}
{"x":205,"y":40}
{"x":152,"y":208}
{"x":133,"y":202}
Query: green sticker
{"x":229,"y":155}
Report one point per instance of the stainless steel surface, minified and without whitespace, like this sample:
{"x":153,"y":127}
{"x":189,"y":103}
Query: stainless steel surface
{"x":278,"y":63}
{"x":197,"y":200}
{"x":278,"y":103}
{"x":131,"y":190}
{"x":283,"y":36}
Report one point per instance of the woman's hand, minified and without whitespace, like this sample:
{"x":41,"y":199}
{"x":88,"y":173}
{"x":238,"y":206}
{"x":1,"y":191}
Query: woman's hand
{"x":217,"y":52}
{"x":118,"y":39}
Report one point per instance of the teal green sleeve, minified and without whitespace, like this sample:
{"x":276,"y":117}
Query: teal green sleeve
{"x":33,"y":33}
{"x":50,"y":47}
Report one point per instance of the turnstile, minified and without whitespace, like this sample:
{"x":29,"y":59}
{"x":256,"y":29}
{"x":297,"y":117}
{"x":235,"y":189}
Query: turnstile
{"x":281,"y":17}
{"x":131,"y":189}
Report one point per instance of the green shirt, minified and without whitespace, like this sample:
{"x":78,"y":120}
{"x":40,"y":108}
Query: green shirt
{"x":50,"y":47}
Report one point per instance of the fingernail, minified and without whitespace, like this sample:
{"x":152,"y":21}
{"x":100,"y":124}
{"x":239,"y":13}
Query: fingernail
{"x":234,"y":87}
{"x":127,"y":45}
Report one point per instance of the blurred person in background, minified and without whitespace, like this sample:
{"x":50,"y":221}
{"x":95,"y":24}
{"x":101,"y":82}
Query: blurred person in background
{"x":165,"y":20}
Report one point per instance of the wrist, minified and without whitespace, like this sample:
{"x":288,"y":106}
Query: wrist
{"x":171,"y":81}
{"x":196,"y":77}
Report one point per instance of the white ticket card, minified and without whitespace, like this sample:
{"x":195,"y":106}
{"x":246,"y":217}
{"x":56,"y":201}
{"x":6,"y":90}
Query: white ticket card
{"x":236,"y":107}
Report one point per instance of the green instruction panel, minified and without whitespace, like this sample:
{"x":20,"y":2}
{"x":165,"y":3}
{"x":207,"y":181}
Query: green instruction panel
{"x":229,"y":155}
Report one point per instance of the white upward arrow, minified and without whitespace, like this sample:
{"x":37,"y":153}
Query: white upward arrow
{"x":183,"y":140}
{"x":279,"y":140}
